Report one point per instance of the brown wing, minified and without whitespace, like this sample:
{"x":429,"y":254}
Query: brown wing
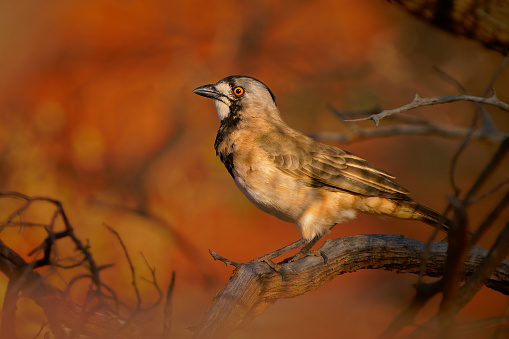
{"x":324,"y":165}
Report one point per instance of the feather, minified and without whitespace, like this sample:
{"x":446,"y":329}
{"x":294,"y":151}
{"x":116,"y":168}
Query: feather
{"x":325,"y":165}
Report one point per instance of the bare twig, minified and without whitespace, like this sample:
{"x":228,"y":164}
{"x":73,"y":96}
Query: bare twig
{"x":131,"y":267}
{"x":488,"y":221}
{"x":418,"y":102}
{"x":59,"y":309}
{"x":449,"y":78}
{"x":497,"y":253}
{"x":43,"y":326}
{"x":224,"y":260}
{"x":489,"y":127}
{"x":47,"y":244}
{"x":152,"y":281}
{"x":168,"y":309}
{"x":497,"y":158}
{"x":54,"y":302}
{"x":457,"y":242}
{"x":424,"y":292}
{"x":190,"y":250}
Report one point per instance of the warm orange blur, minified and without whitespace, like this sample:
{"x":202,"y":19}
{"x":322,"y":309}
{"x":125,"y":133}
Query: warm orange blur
{"x":96,"y":110}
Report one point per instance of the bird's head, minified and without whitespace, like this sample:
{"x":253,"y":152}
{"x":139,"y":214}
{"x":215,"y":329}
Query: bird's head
{"x":238,"y":95}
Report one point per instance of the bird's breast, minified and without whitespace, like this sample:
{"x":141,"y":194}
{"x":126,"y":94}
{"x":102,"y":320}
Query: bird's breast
{"x":255,"y":175}
{"x":272,"y":191}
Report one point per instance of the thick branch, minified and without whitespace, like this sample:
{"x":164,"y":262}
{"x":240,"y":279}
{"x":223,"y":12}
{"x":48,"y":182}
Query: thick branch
{"x":485,"y":21}
{"x":254,"y":286}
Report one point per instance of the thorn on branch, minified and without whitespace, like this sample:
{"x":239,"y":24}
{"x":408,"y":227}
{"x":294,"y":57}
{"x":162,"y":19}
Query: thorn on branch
{"x":375,"y":119}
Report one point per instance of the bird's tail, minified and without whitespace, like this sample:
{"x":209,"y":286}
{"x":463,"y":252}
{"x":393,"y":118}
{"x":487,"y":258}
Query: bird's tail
{"x":409,"y":209}
{"x":403,"y":208}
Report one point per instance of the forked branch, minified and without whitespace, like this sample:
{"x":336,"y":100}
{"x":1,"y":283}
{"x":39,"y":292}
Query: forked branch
{"x":255,"y":286}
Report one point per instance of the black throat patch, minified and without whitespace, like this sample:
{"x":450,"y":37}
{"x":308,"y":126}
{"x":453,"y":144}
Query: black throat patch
{"x":223,"y":144}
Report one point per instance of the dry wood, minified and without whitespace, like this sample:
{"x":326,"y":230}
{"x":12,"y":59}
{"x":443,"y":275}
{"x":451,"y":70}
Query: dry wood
{"x":483,"y":20}
{"x":58,"y":308}
{"x":255,"y":286}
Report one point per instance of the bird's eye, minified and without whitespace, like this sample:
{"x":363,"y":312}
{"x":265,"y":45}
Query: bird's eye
{"x":238,"y":91}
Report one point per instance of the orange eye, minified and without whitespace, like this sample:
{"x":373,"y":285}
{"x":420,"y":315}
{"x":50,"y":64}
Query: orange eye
{"x":238,"y":91}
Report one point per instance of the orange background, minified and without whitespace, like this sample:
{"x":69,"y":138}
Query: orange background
{"x":97,"y":111}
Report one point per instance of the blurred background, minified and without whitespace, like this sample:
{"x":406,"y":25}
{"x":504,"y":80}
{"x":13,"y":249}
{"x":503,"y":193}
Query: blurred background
{"x":97,"y":111}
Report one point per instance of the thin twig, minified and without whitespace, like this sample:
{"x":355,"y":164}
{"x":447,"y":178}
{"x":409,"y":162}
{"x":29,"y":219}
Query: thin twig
{"x":47,"y":244}
{"x":496,"y":254}
{"x":457,"y":246}
{"x":131,"y":266}
{"x":501,"y":152}
{"x":424,"y":292}
{"x":168,"y":309}
{"x":152,"y":281}
{"x":224,"y":260}
{"x":190,"y":250}
{"x":488,"y":128}
{"x":449,"y":78}
{"x":488,"y":221}
{"x":418,"y":102}
{"x":93,"y":319}
{"x":43,"y":326}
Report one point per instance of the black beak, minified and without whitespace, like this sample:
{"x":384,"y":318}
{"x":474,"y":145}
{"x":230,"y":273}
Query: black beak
{"x":209,"y":91}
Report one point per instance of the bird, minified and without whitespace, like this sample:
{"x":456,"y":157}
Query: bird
{"x":295,"y":178}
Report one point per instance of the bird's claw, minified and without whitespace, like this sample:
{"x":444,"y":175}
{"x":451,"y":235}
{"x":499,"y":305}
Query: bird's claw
{"x":303,"y":254}
{"x":272,"y":264}
{"x":265,"y":259}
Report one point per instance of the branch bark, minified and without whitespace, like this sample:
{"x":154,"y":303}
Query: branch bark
{"x":482,"y":20}
{"x":255,"y":286}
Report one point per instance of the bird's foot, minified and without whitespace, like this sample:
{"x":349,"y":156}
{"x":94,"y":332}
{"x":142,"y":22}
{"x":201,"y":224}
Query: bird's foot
{"x":306,"y":253}
{"x":266,"y":259}
{"x":275,"y":266}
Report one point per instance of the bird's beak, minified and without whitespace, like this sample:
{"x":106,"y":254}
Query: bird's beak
{"x":209,"y":91}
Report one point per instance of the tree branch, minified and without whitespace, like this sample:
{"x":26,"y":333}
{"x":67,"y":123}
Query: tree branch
{"x":57,"y":307}
{"x":255,"y":286}
{"x":484,"y":21}
{"x":421,"y":102}
{"x":422,"y":130}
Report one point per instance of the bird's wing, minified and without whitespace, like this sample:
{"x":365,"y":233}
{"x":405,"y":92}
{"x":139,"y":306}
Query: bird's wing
{"x":323,"y":165}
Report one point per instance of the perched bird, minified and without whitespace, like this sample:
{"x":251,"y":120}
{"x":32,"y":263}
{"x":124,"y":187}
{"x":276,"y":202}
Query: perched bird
{"x":293,"y":177}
